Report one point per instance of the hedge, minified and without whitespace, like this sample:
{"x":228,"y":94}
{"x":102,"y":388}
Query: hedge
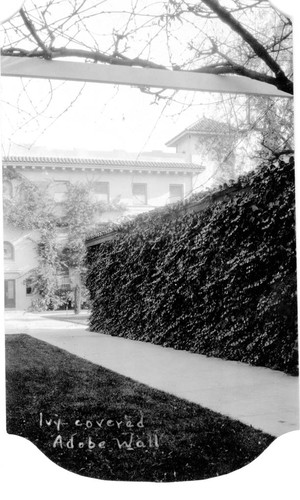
{"x":220,"y":282}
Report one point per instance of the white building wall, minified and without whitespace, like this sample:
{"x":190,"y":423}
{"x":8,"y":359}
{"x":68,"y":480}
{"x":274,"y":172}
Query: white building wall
{"x":120,"y":183}
{"x":24,"y":260}
{"x":120,"y":188}
{"x":187,"y":146}
{"x":217,"y":169}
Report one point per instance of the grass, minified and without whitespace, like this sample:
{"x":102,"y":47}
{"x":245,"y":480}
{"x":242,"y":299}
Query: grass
{"x":53,"y":395}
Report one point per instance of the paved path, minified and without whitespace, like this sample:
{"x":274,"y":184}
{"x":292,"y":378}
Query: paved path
{"x":264,"y":398}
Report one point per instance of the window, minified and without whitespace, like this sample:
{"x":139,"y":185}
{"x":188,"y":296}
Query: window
{"x":59,"y":189}
{"x":8,"y":251}
{"x":29,"y":286}
{"x":64,"y":281}
{"x":139,"y":194}
{"x":10,"y":293}
{"x":42,"y":185}
{"x":175,"y":192}
{"x":101,"y":190}
{"x":7,"y":189}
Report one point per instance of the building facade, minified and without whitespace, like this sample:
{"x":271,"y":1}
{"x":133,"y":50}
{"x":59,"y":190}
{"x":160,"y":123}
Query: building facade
{"x":135,"y":186}
{"x":19,"y":249}
{"x":205,"y":156}
{"x":213,"y":144}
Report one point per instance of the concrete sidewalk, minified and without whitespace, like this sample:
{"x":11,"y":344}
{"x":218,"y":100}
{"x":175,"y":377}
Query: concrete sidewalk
{"x":264,"y":398}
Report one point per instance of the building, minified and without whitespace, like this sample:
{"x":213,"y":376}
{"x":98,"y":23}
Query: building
{"x":205,"y":155}
{"x":134,"y":185}
{"x":213,"y":144}
{"x":19,"y":260}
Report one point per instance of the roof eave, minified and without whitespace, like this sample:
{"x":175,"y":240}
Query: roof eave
{"x":96,"y":240}
{"x":173,"y":142}
{"x":86,"y":164}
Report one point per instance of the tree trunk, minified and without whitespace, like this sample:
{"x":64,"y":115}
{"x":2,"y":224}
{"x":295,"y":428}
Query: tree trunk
{"x":77,"y":299}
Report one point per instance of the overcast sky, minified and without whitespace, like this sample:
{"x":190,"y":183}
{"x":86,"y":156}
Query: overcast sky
{"x":103,"y":117}
{"x":98,"y":116}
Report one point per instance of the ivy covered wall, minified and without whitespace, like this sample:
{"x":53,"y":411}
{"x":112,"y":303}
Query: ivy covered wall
{"x":220,"y":282}
{"x":60,"y":230}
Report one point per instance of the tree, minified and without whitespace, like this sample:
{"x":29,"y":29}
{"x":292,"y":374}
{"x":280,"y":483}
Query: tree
{"x":241,"y":37}
{"x":275,"y":125}
{"x":265,"y":125}
{"x":31,"y":208}
{"x":79,"y":215}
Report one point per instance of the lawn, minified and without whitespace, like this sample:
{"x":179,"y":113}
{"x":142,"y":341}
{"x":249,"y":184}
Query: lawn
{"x":99,"y":424}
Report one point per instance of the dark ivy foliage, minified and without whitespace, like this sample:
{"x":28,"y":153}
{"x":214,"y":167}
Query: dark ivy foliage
{"x":220,"y":282}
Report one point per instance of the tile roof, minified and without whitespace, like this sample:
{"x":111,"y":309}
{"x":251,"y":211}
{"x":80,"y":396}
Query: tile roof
{"x":210,"y":126}
{"x":204,"y":126}
{"x":98,"y":162}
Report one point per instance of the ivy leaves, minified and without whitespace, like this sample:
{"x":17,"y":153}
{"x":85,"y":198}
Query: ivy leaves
{"x":32,"y":208}
{"x":29,"y":208}
{"x":206,"y":281}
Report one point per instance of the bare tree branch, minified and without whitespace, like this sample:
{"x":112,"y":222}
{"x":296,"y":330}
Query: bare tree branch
{"x":95,"y":56}
{"x":223,"y":69}
{"x":136,"y":32}
{"x":33,"y":32}
{"x":283,"y":82}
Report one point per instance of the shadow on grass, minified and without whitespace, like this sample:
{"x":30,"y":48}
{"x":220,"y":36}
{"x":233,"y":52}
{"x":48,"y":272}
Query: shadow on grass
{"x":94,"y":422}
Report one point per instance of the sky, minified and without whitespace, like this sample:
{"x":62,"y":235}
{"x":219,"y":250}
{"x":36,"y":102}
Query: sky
{"x":90,"y":116}
{"x":95,"y":117}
